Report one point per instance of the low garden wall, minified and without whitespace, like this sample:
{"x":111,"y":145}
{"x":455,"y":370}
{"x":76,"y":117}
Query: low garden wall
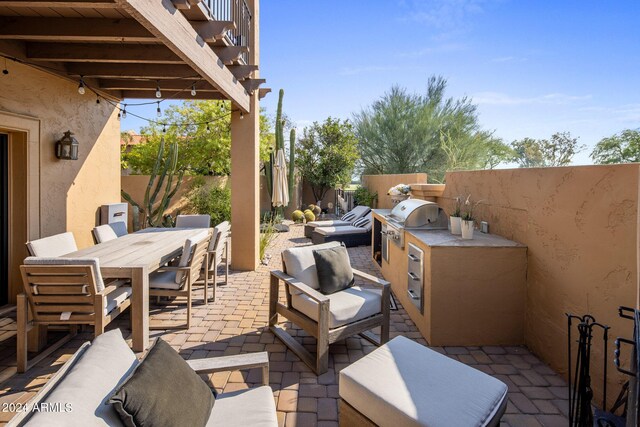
{"x":382,"y":183}
{"x":580,"y":226}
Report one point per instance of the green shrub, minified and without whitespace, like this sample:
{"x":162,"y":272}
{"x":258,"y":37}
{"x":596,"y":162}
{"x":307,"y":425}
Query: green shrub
{"x":297,"y":216}
{"x":214,"y":201}
{"x":267,"y":234}
{"x":363,"y":197}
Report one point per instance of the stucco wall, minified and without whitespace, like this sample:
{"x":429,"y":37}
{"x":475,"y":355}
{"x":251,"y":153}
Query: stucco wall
{"x":70,"y":191}
{"x":579,"y":224}
{"x":382,"y":183}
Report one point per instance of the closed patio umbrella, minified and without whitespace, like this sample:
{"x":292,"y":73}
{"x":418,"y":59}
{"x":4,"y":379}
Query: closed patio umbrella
{"x":280,"y":195}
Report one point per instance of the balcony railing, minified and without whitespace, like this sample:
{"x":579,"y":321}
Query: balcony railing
{"x":237,"y":11}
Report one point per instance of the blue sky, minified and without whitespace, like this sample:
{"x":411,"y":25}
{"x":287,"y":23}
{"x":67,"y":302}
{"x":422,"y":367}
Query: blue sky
{"x":532,"y":67}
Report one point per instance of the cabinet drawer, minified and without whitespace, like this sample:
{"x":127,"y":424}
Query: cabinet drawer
{"x":415,"y":262}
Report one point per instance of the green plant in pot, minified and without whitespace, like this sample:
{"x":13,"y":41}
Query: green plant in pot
{"x":468,"y":218}
{"x":455,"y":218}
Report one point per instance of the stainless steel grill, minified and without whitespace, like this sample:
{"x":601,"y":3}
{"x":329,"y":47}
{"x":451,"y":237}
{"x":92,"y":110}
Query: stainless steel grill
{"x":412,"y":214}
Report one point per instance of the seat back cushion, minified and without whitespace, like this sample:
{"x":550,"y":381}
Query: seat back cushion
{"x":119,"y":227}
{"x":163,"y":390}
{"x":94,"y":262}
{"x":57,"y":245}
{"x":334,"y":269}
{"x":232,"y":409}
{"x":84,"y":390}
{"x":300,"y":263}
{"x":193,"y":221}
{"x":104,"y":233}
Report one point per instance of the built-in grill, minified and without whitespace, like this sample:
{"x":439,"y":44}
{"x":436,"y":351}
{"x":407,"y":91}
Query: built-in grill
{"x":413,"y":214}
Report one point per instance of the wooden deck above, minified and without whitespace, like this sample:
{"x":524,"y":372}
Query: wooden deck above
{"x":128,"y":48}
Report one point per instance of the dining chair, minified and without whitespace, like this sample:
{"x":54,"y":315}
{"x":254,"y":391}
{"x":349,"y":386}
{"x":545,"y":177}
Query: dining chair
{"x":65,"y":291}
{"x":193,"y":221}
{"x":53,"y":246}
{"x":218,"y":252}
{"x":107,"y":232}
{"x":177,"y":281}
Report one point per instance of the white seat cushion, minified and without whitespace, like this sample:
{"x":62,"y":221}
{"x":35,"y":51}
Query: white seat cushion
{"x":163,"y":280}
{"x":301,"y":264}
{"x":328,"y":223}
{"x":404,"y":383}
{"x":89,"y":383}
{"x":346,"y":306}
{"x":115,"y":298}
{"x":52,"y":246}
{"x":104,"y":233}
{"x":337,"y":231}
{"x":253,"y":407}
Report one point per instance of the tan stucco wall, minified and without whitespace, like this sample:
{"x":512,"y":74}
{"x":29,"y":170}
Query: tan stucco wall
{"x":382,"y":183}
{"x":579,"y":224}
{"x":70,"y":191}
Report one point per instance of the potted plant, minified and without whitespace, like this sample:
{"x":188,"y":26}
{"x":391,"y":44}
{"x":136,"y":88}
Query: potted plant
{"x":468,"y":219}
{"x":399,"y":193}
{"x":455,"y":218}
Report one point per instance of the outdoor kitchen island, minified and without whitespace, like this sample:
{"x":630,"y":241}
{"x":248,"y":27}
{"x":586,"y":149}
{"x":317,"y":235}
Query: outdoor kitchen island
{"x":458,"y":292}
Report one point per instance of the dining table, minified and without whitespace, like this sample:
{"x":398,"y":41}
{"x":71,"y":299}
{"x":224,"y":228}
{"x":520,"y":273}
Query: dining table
{"x":133,"y":256}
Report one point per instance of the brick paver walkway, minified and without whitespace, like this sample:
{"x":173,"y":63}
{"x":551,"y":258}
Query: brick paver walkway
{"x":236,"y":323}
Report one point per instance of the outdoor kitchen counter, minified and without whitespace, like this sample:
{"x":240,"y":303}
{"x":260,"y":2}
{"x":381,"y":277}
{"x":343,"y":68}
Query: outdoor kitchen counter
{"x":460,"y":292}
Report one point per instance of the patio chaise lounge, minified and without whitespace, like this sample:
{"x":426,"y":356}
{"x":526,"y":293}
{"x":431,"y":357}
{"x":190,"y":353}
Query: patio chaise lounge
{"x":347,"y":219}
{"x":358,"y":234}
{"x":97,"y":369}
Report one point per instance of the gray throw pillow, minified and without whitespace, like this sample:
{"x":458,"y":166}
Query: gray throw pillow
{"x":334,"y":269}
{"x":163,"y":391}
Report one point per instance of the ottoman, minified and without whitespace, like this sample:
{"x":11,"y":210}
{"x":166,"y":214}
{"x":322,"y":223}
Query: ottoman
{"x":403,"y":383}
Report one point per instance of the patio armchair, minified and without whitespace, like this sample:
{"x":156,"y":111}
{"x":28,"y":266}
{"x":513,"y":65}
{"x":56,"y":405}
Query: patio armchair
{"x":328,"y":318}
{"x":357,"y":234}
{"x":177,"y":280}
{"x":53,"y":246}
{"x":65,"y":291}
{"x":193,"y":221}
{"x":87,"y":380}
{"x":107,"y":232}
{"x":347,"y":219}
{"x":218,"y":252}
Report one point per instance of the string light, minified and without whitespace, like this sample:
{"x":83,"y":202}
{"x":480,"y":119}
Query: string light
{"x":241,"y":115}
{"x":158,"y":91}
{"x":193,"y":90}
{"x":119,"y":115}
{"x":81,"y":90}
{"x":158,"y":111}
{"x":97,"y":99}
{"x":124,"y":112}
{"x":208,"y":129}
{"x":5,"y":70}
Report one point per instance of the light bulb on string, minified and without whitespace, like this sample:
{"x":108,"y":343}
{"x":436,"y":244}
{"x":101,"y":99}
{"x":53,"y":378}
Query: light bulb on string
{"x":158,"y":91}
{"x":208,"y":128}
{"x":124,"y":112}
{"x":97,"y":99}
{"x":119,"y":115}
{"x":158,"y":111}
{"x":5,"y":70}
{"x":241,"y":115}
{"x":164,"y":128}
{"x":193,"y":90}
{"x":81,"y":89}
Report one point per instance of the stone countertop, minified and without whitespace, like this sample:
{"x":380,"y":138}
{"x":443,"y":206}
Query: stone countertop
{"x":443,"y":238}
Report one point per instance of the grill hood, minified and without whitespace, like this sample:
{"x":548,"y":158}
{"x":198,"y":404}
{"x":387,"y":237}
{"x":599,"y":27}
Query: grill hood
{"x":414,"y":213}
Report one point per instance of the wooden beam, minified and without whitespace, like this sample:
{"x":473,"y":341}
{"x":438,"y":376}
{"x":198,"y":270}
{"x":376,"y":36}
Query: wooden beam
{"x":252,"y":84}
{"x":231,"y":54}
{"x":262,"y":92}
{"x":212,"y":31}
{"x":73,"y":29}
{"x":147,"y":85}
{"x":173,"y":29}
{"x":181,"y":4}
{"x":102,"y":52}
{"x":185,"y":95}
{"x":130,"y":71}
{"x":77,"y":4}
{"x":241,"y":72}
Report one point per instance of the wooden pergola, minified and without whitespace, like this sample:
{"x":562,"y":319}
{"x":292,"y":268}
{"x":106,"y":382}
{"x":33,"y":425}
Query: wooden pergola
{"x":129,"y":48}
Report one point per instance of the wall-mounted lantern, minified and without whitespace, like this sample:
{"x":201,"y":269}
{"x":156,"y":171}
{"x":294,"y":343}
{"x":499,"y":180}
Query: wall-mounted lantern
{"x":67,"y":147}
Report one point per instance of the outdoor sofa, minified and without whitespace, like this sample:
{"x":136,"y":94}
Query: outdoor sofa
{"x":358,"y":234}
{"x":78,"y":392}
{"x":346,"y":219}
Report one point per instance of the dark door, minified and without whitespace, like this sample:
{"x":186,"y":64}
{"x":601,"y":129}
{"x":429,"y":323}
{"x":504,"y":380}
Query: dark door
{"x":4,"y":218}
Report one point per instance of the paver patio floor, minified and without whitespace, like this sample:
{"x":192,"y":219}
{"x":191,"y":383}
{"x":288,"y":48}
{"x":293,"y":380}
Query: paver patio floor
{"x":236,"y":323}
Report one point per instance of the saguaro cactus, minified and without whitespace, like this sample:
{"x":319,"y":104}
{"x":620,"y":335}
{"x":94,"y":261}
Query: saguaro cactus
{"x":279,"y":123}
{"x":161,"y":179}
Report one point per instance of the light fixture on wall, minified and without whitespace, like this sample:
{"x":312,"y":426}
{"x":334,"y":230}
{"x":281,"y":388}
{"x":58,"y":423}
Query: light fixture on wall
{"x":67,"y":147}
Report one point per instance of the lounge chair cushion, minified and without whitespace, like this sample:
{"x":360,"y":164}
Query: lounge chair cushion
{"x":301,"y":264}
{"x":363,"y":222}
{"x":32,"y":260}
{"x":52,"y":246}
{"x":328,"y":223}
{"x":193,"y":221}
{"x":115,"y":298}
{"x":334,"y":269}
{"x":243,"y":408}
{"x":88,"y":385}
{"x":163,"y":390}
{"x":348,"y":306}
{"x":355,"y":213}
{"x":403,"y":383}
{"x":338,"y":231}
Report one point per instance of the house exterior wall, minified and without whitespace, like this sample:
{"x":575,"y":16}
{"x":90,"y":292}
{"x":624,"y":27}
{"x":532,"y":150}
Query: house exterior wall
{"x":382,"y":183}
{"x":71,"y":192}
{"x":580,"y":227}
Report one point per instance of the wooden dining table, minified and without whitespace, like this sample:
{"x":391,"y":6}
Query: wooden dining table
{"x":134,"y":256}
